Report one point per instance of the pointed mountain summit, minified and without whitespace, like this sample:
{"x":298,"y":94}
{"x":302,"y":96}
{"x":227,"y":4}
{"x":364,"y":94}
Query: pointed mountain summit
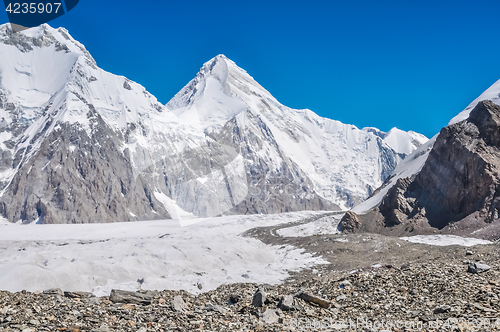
{"x":220,"y":91}
{"x":343,"y":163}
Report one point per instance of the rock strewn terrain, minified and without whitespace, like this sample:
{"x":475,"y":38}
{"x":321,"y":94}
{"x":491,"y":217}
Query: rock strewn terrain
{"x":456,"y":283}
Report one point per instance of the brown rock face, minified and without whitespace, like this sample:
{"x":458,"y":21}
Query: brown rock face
{"x":349,"y":223}
{"x":460,"y":177}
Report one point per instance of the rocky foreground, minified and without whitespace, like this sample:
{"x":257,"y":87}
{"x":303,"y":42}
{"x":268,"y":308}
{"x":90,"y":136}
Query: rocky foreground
{"x":445,"y":293}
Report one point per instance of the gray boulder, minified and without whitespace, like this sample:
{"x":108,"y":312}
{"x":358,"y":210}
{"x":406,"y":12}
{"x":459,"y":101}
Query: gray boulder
{"x":270,"y":317}
{"x":286,"y":303}
{"x":442,"y":309}
{"x":178,"y":304}
{"x":478,"y":268}
{"x":121,"y":296}
{"x":349,"y":223}
{"x":259,"y":298}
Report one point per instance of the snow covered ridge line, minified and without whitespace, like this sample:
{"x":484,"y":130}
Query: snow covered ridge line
{"x":80,"y":145}
{"x":436,"y":189}
{"x":412,"y":165}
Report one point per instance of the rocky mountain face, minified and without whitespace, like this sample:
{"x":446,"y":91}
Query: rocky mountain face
{"x":458,"y":188}
{"x":82,"y":145}
{"x":61,"y":160}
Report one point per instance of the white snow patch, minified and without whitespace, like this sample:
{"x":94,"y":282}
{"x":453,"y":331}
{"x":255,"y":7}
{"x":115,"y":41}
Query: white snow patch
{"x":341,"y":239}
{"x":445,"y":240}
{"x":404,"y":142}
{"x":4,"y":222}
{"x":99,"y":257}
{"x":173,"y":209}
{"x":492,"y":93}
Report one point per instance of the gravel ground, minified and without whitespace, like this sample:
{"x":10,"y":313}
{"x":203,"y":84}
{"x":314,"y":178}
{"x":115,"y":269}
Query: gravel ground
{"x":373,"y":283}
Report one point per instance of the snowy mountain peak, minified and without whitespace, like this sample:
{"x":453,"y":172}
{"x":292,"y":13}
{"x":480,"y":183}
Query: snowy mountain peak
{"x":217,"y":68}
{"x":36,"y":66}
{"x":220,"y":65}
{"x":325,"y":152}
{"x":43,"y":36}
{"x":218,"y":78}
{"x":220,"y":59}
{"x":54,"y":100}
{"x":404,"y":141}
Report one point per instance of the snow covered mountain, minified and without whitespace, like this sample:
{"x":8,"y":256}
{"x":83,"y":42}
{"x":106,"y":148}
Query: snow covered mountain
{"x":68,"y":129}
{"x":343,"y":163}
{"x":82,"y":145}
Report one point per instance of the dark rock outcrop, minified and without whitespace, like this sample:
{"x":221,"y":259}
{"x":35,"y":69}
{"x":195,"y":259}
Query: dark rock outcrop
{"x":349,"y":222}
{"x":459,"y":180}
{"x":259,"y":298}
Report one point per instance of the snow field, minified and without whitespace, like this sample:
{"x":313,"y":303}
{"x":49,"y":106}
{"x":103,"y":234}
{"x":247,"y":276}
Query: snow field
{"x":100,"y":257}
{"x":325,"y":225}
{"x":445,"y":240}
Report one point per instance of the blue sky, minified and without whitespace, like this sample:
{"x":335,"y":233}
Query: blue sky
{"x":406,"y":64}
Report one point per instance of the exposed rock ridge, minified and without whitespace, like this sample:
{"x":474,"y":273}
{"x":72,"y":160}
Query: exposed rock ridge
{"x":461,"y":176}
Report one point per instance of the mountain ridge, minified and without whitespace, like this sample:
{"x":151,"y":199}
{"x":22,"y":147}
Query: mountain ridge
{"x":292,"y":128}
{"x":246,"y":153}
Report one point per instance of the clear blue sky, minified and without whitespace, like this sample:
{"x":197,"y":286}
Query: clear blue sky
{"x":406,"y":64}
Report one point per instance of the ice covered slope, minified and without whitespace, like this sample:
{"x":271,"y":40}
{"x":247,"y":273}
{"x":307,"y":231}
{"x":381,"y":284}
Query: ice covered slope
{"x":342,"y":163}
{"x":401,"y":141}
{"x":406,"y":169}
{"x":98,"y":258}
{"x":492,"y":93}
